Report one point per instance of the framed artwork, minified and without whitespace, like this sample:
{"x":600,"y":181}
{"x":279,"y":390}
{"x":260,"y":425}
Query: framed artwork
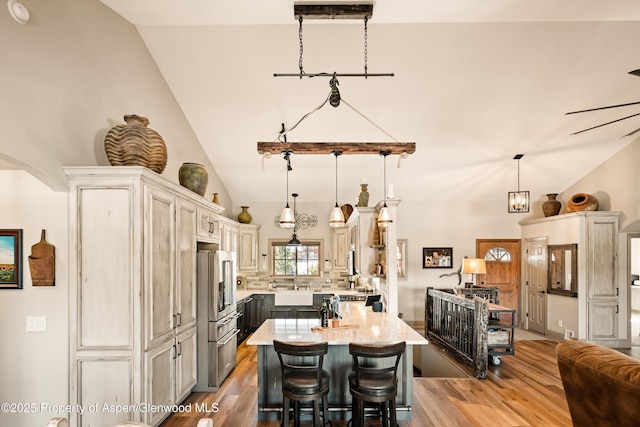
{"x":437,"y":257}
{"x":10,"y":259}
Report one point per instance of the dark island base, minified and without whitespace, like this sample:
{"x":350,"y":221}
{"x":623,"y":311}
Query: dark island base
{"x":338,"y":363}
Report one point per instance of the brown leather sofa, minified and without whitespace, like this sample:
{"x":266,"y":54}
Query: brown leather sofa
{"x":602,"y":385}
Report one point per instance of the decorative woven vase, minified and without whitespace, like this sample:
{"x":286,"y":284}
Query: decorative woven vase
{"x":193,"y":176}
{"x":582,"y":202}
{"x":134,"y":144}
{"x":244,"y":217}
{"x":551,"y":206}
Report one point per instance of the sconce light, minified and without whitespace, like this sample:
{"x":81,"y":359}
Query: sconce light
{"x":337,"y":217}
{"x":474,"y":266}
{"x":518,"y":200}
{"x":384,"y":216}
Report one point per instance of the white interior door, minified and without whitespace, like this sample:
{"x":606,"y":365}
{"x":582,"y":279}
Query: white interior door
{"x":536,"y":285}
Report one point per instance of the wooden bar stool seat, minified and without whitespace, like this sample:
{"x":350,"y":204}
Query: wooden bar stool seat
{"x":303,"y":379}
{"x":375,"y":380}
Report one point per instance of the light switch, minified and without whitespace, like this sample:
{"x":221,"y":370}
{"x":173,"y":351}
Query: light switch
{"x":36,"y":324}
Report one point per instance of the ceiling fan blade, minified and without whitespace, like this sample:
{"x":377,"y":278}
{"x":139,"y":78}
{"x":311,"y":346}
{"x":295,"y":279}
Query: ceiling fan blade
{"x":635,"y":72}
{"x":603,"y":108}
{"x":608,"y":123}
{"x":631,"y":133}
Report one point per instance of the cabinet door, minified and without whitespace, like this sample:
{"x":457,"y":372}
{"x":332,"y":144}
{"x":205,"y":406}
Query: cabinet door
{"x":602,"y":266}
{"x":248,"y":250}
{"x":341,"y":243}
{"x":603,"y":320}
{"x":208,"y":226}
{"x":158,"y":264}
{"x":159,"y":381}
{"x":186,"y":364}
{"x":185,"y":301}
{"x":281,"y":313}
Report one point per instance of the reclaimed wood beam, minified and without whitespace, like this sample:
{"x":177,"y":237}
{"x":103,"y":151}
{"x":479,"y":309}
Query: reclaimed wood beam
{"x":330,"y":147}
{"x":333,"y":11}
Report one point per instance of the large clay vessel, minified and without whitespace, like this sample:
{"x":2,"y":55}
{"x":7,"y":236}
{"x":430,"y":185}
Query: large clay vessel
{"x":134,"y":144}
{"x":193,"y":176}
{"x":551,"y":206}
{"x":582,"y":202}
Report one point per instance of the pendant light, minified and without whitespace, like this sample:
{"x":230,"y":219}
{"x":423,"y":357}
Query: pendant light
{"x":294,"y":239}
{"x":518,"y":200}
{"x":287,"y":217}
{"x":337,"y":217}
{"x":384,"y":217}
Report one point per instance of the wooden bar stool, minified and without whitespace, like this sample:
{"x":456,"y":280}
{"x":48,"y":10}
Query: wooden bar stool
{"x":374,"y":379}
{"x":303,"y":379}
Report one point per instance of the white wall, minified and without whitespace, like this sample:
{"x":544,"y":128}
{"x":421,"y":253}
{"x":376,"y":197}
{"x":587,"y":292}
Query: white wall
{"x":34,"y":366}
{"x":69,"y":75}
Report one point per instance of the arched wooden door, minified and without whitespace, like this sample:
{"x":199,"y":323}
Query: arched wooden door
{"x":502,"y":257}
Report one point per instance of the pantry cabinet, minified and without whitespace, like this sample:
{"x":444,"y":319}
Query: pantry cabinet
{"x":132,"y":292}
{"x":601,"y":308}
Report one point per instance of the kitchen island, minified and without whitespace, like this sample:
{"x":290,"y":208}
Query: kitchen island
{"x":358,"y":324}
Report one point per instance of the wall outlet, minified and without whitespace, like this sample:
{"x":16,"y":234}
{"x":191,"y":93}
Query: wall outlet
{"x":36,"y":324}
{"x":560,"y":323}
{"x":568,"y":334}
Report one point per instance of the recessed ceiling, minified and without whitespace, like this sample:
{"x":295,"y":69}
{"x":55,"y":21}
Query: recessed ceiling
{"x":475,"y":83}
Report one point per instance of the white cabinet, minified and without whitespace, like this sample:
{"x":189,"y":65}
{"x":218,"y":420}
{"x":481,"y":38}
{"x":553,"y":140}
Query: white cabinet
{"x":229,"y":236}
{"x":132,"y":291}
{"x":208,"y":225}
{"x":601,"y":306}
{"x":341,"y":248}
{"x":248,"y":247}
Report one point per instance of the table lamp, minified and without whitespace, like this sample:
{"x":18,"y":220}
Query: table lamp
{"x":473,"y":266}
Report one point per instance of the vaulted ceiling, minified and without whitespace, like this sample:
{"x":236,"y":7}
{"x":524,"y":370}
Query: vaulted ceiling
{"x":475,"y":82}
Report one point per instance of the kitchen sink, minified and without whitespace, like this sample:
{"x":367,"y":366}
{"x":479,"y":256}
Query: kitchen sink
{"x":294,"y":298}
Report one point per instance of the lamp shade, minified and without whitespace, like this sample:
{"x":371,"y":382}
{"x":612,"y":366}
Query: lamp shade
{"x":337,"y":217}
{"x":474,"y":266}
{"x":384,"y":218}
{"x":287,"y":218}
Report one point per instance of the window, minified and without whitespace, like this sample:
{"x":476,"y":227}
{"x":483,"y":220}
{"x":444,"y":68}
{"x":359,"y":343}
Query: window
{"x":497,"y":254}
{"x":300,"y":260}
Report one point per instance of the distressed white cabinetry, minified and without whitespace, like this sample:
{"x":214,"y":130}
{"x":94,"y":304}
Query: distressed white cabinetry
{"x":132,"y":293}
{"x":601,"y":309}
{"x":228,"y":235}
{"x":248,"y":247}
{"x":341,"y":249}
{"x":208,"y":225}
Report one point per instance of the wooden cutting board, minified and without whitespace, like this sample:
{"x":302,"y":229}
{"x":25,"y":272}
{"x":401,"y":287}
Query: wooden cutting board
{"x":328,"y":328}
{"x":42,"y":249}
{"x":42,"y":263}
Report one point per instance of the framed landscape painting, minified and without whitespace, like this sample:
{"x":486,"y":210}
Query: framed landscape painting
{"x":437,"y":257}
{"x":10,"y":259}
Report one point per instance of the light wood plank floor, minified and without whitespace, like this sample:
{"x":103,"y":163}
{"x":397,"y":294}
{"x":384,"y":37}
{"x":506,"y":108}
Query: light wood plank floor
{"x":525,"y":391}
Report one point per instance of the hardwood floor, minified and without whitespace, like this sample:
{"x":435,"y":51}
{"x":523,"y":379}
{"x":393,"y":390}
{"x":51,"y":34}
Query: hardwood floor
{"x":525,"y":391}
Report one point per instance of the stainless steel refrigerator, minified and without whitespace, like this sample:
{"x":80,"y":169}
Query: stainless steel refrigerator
{"x":217,"y":325}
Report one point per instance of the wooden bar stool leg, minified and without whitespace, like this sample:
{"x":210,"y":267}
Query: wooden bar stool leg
{"x":325,"y":411}
{"x":385,"y":416}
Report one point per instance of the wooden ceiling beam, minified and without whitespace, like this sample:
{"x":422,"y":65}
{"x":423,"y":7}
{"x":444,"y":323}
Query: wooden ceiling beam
{"x":330,"y":147}
{"x":333,"y":11}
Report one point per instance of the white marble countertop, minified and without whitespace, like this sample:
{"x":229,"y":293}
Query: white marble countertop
{"x":368,"y":327}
